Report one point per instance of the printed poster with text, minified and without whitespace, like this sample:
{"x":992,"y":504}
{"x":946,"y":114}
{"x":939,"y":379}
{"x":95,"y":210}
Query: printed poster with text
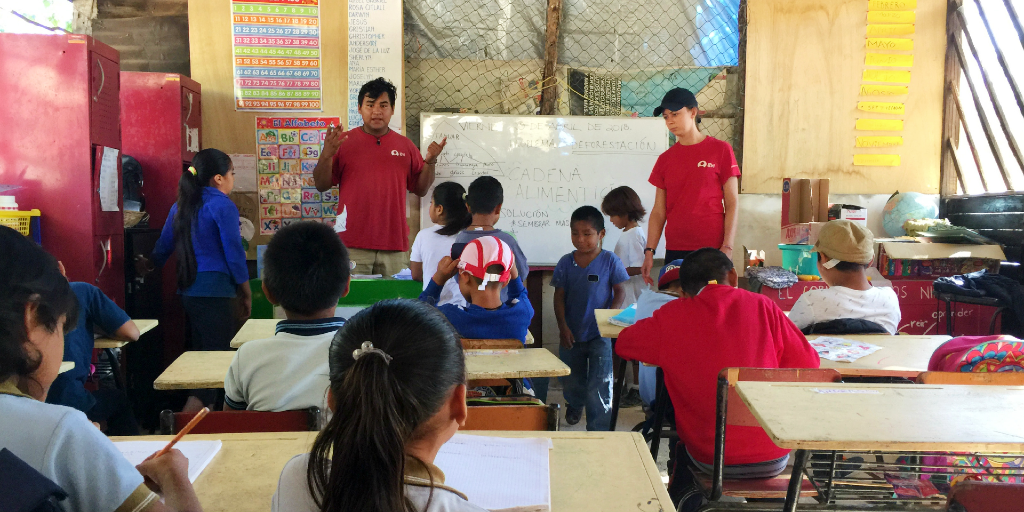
{"x":276,"y":51}
{"x":287,"y":149}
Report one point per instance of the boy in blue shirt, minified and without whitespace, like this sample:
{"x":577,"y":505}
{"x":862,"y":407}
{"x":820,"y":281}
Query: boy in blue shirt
{"x":485,"y":267}
{"x":586,"y":279}
{"x":95,"y":311}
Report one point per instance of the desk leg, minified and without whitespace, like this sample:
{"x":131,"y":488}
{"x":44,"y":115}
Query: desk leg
{"x":793,"y":495}
{"x":620,"y":382}
{"x":949,"y":318}
{"x":535,"y":292}
{"x":115,"y":368}
{"x":660,"y":404}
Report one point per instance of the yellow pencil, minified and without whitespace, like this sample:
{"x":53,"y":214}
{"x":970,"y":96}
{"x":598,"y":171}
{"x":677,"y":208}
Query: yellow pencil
{"x":195,"y":421}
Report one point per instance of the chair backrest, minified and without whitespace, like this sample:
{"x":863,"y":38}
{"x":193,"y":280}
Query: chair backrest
{"x":512,"y":417}
{"x":495,"y":344}
{"x":971,"y":496}
{"x":737,"y":412}
{"x":969,"y":379}
{"x":230,"y":422}
{"x":845,"y":326}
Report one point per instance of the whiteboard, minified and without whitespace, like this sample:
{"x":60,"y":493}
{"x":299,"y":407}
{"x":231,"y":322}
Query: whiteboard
{"x":548,"y":167}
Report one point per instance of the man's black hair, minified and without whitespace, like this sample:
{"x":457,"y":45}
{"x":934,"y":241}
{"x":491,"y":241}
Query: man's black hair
{"x":701,"y":266}
{"x":849,"y":266}
{"x":305,"y":267}
{"x":485,"y":195}
{"x":374,"y":88}
{"x":590,"y":214}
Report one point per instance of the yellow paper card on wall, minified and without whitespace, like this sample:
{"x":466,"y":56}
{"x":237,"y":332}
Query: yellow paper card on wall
{"x":892,"y":5}
{"x":879,"y":142}
{"x":890,"y":43}
{"x":885,"y":75}
{"x":883,"y":90}
{"x":882,"y":125}
{"x":901,"y":29}
{"x":889,"y":59}
{"x":891,"y":17}
{"x":876,"y":160}
{"x":882,"y":107}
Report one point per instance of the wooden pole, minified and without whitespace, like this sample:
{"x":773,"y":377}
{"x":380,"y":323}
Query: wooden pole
{"x":741,"y":85}
{"x":549,"y":94}
{"x":1015,"y":18}
{"x":1000,"y":115}
{"x":950,"y":116}
{"x":985,"y":125}
{"x":956,"y":165}
{"x":955,"y":94}
{"x":1002,"y":60}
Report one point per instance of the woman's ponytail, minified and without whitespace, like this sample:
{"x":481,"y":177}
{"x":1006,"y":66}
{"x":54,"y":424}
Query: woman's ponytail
{"x":205,"y":165}
{"x":380,"y":398}
{"x":452,"y":197}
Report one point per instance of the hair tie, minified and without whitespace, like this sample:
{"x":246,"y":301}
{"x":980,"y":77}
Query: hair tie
{"x":192,"y":169}
{"x":367,"y":348}
{"x":465,"y":195}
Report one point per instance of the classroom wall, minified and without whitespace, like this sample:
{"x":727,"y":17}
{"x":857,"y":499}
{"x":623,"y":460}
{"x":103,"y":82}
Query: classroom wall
{"x":805,"y":60}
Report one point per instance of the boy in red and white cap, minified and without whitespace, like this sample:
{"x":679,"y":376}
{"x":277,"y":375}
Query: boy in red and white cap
{"x":484,"y":268}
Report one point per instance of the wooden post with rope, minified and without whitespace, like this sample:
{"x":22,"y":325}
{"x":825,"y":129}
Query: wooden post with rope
{"x":549,"y":91}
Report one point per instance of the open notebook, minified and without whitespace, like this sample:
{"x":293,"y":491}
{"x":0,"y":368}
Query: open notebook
{"x":481,"y":467}
{"x":198,"y":453}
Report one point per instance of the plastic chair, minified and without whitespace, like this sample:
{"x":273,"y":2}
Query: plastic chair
{"x":231,"y":422}
{"x":512,"y":417}
{"x":972,"y":379}
{"x":731,"y":410}
{"x":971,"y":496}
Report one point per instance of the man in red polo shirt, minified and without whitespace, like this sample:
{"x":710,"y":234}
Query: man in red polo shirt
{"x":373,"y":167}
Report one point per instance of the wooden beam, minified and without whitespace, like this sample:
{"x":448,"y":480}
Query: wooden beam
{"x":961,"y":120}
{"x":1015,"y":19}
{"x":741,"y":84}
{"x":956,"y":165}
{"x":998,"y":105}
{"x":950,"y":110}
{"x":1002,"y":60}
{"x":549,"y":94}
{"x":985,"y":125}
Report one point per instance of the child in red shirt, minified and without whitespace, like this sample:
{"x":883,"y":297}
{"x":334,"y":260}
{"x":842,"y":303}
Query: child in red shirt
{"x":714,"y":326}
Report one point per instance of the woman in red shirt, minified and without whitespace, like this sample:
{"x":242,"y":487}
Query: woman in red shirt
{"x":697,"y":182}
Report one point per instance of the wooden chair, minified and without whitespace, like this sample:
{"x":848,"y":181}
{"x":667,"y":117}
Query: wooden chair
{"x":971,"y":496}
{"x":230,"y":422}
{"x":512,"y":417}
{"x":731,"y":410}
{"x":490,"y":344}
{"x":972,"y":379}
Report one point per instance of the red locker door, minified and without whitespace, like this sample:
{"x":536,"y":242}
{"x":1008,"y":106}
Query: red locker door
{"x":191,"y":124}
{"x":105,"y":106}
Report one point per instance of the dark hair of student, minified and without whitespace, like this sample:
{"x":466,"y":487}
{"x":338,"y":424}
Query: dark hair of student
{"x":624,"y":202}
{"x":207,"y":163}
{"x":358,"y":460}
{"x":374,"y":88}
{"x":485,"y":195}
{"x":590,"y":214}
{"x":849,"y":266}
{"x":29,"y":275}
{"x":701,"y":266}
{"x":451,"y":196}
{"x":305,"y":267}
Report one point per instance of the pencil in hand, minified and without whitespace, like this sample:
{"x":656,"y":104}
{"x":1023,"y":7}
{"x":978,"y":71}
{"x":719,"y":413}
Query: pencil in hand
{"x":188,"y":428}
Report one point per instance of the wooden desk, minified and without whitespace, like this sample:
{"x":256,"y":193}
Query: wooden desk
{"x":619,"y":472}
{"x":605,"y":327}
{"x":900,"y":356}
{"x":898,"y":417}
{"x":66,"y":366}
{"x":206,"y":370}
{"x":262,"y":328}
{"x":144,"y":324}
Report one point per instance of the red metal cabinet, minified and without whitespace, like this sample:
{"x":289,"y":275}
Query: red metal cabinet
{"x":60,"y":108}
{"x":161,"y":126}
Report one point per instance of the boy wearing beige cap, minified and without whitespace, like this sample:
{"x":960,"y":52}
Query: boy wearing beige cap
{"x":845,"y":250}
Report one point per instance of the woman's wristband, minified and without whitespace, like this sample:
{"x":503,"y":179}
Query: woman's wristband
{"x":648,"y":249}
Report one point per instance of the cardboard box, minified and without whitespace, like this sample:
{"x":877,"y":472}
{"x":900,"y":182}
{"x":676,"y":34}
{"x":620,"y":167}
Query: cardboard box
{"x":927,"y":261}
{"x":803,"y":201}
{"x":849,"y":212}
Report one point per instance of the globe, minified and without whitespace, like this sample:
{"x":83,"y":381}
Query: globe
{"x":907,"y":206}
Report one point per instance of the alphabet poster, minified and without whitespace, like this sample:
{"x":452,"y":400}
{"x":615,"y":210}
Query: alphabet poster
{"x":287,"y":150}
{"x":276,"y":51}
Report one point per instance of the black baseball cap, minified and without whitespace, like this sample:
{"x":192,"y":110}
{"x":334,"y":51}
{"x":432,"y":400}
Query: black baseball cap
{"x":676,"y":99}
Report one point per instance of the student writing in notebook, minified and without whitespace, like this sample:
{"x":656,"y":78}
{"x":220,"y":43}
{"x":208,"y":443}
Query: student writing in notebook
{"x":36,"y":307}
{"x":398,"y":390}
{"x":306,"y":271}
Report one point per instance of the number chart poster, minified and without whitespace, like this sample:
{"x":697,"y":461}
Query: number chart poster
{"x":276,"y":51}
{"x":287,"y":149}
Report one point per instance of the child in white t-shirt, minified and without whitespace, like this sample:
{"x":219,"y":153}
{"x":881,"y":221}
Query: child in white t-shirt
{"x":845,"y":250}
{"x":450,"y":215}
{"x":625,"y":211}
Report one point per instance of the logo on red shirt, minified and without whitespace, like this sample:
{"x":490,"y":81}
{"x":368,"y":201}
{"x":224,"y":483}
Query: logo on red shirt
{"x":395,"y":152}
{"x":705,"y":163}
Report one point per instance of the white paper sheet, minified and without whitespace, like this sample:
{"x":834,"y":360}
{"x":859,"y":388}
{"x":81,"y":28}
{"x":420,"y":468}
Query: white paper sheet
{"x":480,"y":467}
{"x":245,"y":172}
{"x":108,"y":180}
{"x":842,"y":349}
{"x":198,"y":453}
